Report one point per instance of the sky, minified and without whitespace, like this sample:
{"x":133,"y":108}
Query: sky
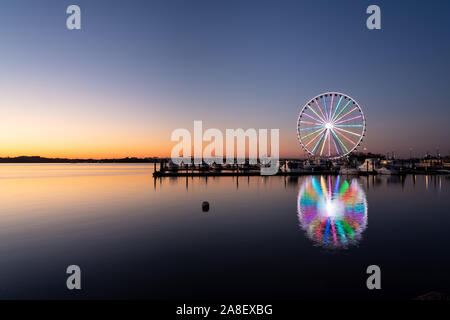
{"x":137,"y":70}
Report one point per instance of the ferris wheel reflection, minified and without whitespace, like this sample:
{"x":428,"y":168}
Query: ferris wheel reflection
{"x":332,"y":211}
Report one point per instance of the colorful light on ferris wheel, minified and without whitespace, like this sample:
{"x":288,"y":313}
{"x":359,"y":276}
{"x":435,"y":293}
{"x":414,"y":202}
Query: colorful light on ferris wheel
{"x":343,"y":123}
{"x":332,"y":213}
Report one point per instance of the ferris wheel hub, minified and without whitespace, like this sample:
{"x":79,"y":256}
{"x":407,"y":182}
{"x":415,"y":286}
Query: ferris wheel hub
{"x":329,"y":125}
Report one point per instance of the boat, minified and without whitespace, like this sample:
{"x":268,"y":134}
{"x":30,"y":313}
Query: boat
{"x":294,"y":166}
{"x":348,"y":171}
{"x":388,"y":171}
{"x":367,"y":166}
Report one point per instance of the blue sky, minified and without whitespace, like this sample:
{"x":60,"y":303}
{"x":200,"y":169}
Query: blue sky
{"x":139,"y":69}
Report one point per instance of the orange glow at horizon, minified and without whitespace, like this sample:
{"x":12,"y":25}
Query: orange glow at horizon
{"x":53,"y":124}
{"x":54,"y":129}
{"x":102,"y":147}
{"x":62,"y":128}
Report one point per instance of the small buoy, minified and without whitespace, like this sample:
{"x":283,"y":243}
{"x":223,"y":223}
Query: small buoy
{"x":205,"y":206}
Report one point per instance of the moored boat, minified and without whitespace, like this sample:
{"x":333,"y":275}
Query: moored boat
{"x":348,"y":170}
{"x":387,"y":171}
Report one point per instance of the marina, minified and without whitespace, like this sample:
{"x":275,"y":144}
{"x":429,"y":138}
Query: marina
{"x":306,"y":167}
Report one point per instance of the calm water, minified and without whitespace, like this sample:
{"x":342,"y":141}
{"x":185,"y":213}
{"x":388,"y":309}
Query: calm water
{"x":274,"y":237}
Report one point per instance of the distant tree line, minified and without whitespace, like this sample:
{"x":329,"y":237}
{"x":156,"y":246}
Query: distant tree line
{"x":38,"y":159}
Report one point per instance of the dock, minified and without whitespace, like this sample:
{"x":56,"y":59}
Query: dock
{"x":167,"y":169}
{"x":235,"y":173}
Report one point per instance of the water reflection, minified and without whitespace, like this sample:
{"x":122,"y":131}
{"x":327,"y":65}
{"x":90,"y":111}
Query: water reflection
{"x":332,"y":211}
{"x":117,"y":222}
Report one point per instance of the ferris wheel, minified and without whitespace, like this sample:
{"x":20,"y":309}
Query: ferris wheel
{"x":331,"y":125}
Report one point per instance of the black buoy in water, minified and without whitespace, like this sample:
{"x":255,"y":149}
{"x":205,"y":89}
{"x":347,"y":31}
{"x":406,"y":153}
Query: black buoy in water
{"x":205,"y":206}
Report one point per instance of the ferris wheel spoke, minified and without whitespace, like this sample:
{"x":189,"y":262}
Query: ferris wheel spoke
{"x":311,"y":128}
{"x":347,"y":113}
{"x":329,"y":144}
{"x":325,"y":104}
{"x":310,"y":134}
{"x":342,"y":110}
{"x":318,"y":116}
{"x":320,"y":109}
{"x":309,"y":122}
{"x":345,"y":137}
{"x":341,"y":146}
{"x":312,"y":117}
{"x":335,"y":146}
{"x":324,"y":141}
{"x":331,"y":105}
{"x":357,"y":117}
{"x":315,"y":137}
{"x":318,"y":142}
{"x":339,"y":140}
{"x":348,"y":125}
{"x":353,"y":133}
{"x":337,"y":108}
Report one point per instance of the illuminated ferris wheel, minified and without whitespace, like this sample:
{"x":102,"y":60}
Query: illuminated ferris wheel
{"x":331,"y":125}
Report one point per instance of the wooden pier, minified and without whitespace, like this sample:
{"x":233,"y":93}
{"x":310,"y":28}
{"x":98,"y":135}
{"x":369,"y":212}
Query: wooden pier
{"x":245,"y":170}
{"x":235,"y":173}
